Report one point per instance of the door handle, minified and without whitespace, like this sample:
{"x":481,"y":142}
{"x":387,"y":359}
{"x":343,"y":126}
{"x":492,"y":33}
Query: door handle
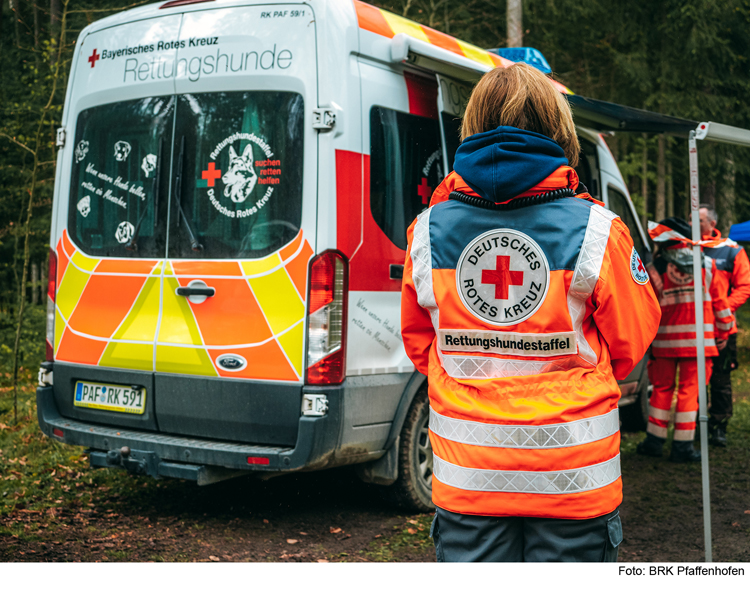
{"x":396,"y":272}
{"x":196,"y":291}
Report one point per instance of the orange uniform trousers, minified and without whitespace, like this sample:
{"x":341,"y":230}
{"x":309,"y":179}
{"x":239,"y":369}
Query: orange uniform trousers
{"x":662,"y":372}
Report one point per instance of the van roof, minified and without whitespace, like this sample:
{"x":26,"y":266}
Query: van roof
{"x":370,"y":18}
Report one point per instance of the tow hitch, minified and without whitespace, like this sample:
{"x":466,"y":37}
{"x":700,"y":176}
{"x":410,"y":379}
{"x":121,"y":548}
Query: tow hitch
{"x":140,"y":463}
{"x":147,"y":463}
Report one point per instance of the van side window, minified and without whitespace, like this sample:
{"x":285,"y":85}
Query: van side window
{"x":588,"y":167}
{"x":619,"y":204}
{"x":121,"y":152}
{"x":405,"y":168}
{"x":452,"y":127}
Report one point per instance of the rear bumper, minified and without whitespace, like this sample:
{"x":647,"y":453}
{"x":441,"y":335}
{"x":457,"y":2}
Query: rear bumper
{"x":158,"y":454}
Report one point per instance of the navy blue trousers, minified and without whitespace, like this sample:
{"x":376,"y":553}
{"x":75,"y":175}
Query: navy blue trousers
{"x":476,"y":538}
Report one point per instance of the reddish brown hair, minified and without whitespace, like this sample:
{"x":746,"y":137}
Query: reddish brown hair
{"x":521,"y":96}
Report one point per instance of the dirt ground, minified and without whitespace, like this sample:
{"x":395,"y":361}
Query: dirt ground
{"x":332,"y":516}
{"x":54,"y":508}
{"x":310,"y":517}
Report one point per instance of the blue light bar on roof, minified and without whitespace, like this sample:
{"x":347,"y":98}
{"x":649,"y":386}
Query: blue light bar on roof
{"x":528,"y":55}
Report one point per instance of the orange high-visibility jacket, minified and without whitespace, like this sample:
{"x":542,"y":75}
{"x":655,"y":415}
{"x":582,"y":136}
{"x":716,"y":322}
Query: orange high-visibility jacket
{"x":676,"y":336}
{"x":732,"y":263}
{"x":523,"y":320}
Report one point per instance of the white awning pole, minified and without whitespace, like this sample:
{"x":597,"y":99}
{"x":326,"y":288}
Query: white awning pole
{"x":700,"y":344}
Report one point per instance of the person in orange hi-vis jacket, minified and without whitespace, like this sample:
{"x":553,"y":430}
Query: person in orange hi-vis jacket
{"x":523,"y":301}
{"x":675,"y":343}
{"x":731,"y":262}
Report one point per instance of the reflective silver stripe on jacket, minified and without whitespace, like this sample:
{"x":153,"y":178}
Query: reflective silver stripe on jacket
{"x":526,"y":436}
{"x":421,"y":260}
{"x":707,"y":264}
{"x":586,"y":273}
{"x":725,"y":313}
{"x":548,"y":483}
{"x":685,"y":417}
{"x":683,"y":328}
{"x":684,"y":434}
{"x":678,"y":343}
{"x":725,"y":326}
{"x":658,"y":413}
{"x":476,"y":367}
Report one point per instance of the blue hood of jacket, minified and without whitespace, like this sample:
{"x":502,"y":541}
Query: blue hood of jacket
{"x":507,"y":161}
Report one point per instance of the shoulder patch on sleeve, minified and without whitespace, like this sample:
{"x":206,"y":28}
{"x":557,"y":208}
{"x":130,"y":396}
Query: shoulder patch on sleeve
{"x":638,"y":269}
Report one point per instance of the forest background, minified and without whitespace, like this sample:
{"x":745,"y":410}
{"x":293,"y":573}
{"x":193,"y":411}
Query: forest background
{"x":688,"y":58}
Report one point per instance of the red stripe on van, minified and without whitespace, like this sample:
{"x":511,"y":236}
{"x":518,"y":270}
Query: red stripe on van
{"x":423,"y":93}
{"x":369,"y":261}
{"x":348,"y":201}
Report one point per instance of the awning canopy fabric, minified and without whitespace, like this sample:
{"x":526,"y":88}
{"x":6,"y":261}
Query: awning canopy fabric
{"x":740,"y":232}
{"x":605,"y":116}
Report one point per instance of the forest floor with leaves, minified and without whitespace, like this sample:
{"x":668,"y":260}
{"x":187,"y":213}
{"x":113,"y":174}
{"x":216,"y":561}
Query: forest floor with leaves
{"x":53,"y":507}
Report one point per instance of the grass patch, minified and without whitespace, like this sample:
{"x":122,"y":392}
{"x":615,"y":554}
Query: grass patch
{"x":413,"y":535}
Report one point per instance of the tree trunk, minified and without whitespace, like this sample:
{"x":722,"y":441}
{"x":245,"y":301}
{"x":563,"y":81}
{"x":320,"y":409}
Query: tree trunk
{"x":670,"y":190}
{"x":43,"y":283}
{"x":708,"y":193}
{"x":16,"y":16}
{"x":515,"y":23}
{"x":54,"y":15}
{"x":34,"y":283}
{"x":660,"y":205}
{"x":644,"y":180}
{"x":36,"y":26}
{"x":726,"y":198}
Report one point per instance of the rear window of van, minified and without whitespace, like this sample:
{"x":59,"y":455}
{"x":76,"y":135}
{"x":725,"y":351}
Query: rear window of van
{"x":210,"y":175}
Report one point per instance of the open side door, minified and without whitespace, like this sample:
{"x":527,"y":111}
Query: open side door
{"x":452,"y":98}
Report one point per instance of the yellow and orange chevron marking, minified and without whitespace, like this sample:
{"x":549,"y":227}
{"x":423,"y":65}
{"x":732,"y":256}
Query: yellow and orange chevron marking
{"x":382,"y":22}
{"x":125,"y":313}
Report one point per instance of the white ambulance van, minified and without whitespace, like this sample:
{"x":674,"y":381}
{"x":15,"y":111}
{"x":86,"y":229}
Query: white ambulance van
{"x":234,"y":184}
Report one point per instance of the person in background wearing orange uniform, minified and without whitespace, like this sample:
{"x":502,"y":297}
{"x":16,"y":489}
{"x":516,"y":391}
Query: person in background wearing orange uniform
{"x":523,"y":301}
{"x":675,"y":343}
{"x":732,"y":262}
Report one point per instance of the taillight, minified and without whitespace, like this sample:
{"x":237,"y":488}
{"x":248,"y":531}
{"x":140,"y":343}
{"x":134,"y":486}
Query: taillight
{"x":326,"y":323}
{"x":51,"y":292}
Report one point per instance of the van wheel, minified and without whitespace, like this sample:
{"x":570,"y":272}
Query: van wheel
{"x":634,"y":416}
{"x":413,"y":488}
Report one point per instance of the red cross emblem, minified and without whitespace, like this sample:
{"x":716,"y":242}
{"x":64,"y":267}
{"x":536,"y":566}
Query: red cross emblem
{"x":502,"y":277}
{"x":211,"y":174}
{"x":93,"y":57}
{"x":641,"y":268}
{"x":425,"y":191}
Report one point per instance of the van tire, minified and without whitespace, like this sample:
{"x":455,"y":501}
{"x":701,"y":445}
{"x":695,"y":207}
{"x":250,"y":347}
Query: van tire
{"x":634,"y":417}
{"x":413,"y":487}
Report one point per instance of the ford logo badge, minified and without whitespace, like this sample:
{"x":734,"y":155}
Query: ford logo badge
{"x":231,"y":362}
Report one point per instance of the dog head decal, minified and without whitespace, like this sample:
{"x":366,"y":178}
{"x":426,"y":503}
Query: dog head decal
{"x":149,"y":164}
{"x":240,"y":178}
{"x":122,"y":150}
{"x":81,"y":150}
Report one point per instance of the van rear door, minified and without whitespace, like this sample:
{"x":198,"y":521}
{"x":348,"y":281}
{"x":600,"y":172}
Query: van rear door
{"x":114,"y":179}
{"x":241,"y":225}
